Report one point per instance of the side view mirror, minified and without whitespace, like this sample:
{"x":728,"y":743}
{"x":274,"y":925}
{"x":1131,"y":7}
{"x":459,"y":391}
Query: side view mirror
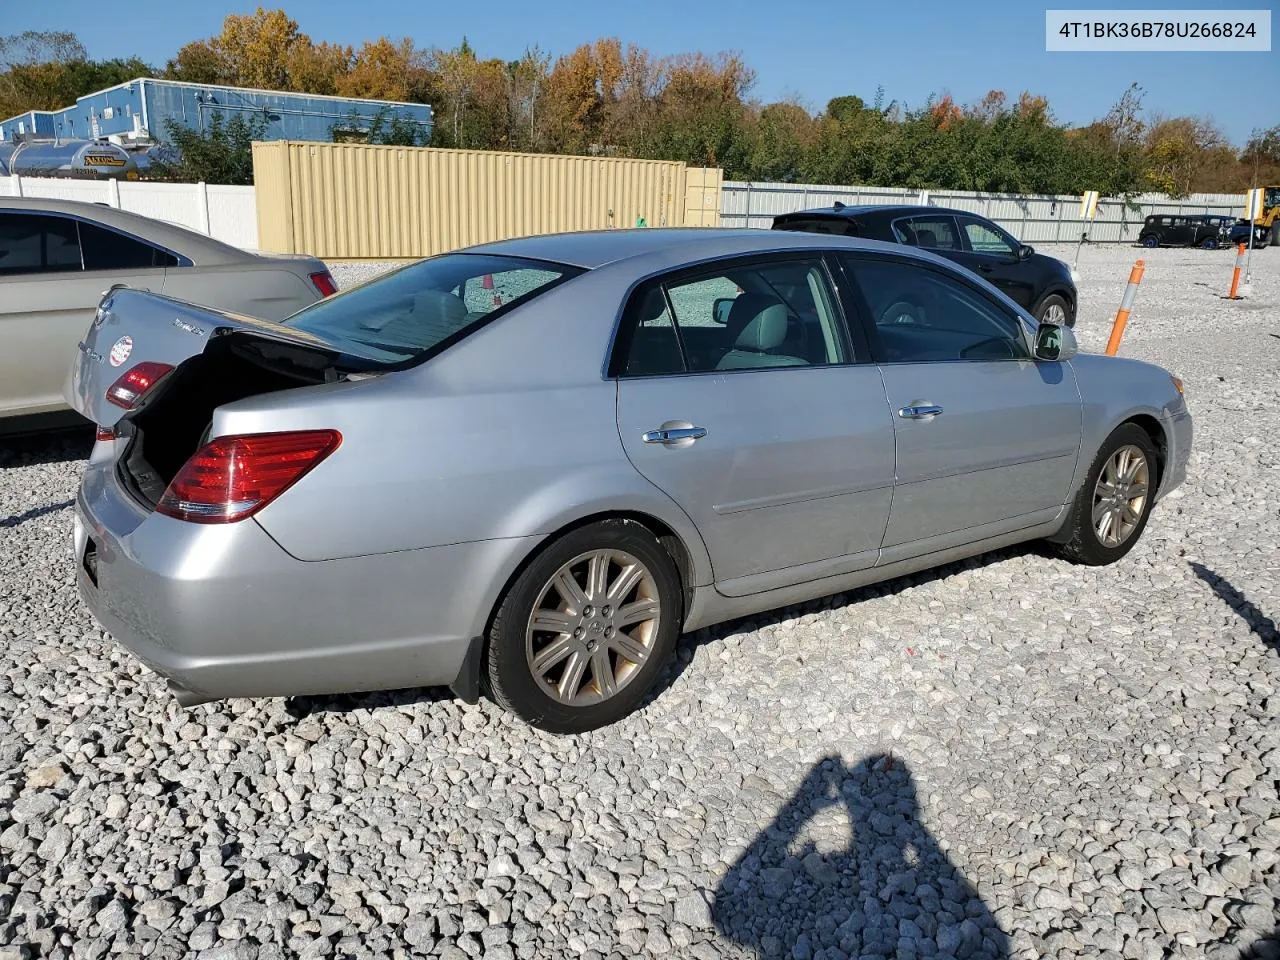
{"x":1025,"y":251}
{"x":720,"y":309}
{"x":1055,"y":343}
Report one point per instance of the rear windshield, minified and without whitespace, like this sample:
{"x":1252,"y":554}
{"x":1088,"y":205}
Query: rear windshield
{"x":840,"y":226}
{"x":408,"y":314}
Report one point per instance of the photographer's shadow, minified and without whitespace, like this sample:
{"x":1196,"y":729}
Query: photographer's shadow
{"x":846,"y":869}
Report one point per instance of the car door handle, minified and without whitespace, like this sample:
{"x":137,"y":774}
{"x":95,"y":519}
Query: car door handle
{"x":985,"y":267}
{"x":674,"y":435}
{"x":920,"y":411}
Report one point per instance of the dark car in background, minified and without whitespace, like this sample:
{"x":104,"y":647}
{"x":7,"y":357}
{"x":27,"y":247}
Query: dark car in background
{"x":1240,"y":230}
{"x":1182,"y":230}
{"x":1041,"y":284}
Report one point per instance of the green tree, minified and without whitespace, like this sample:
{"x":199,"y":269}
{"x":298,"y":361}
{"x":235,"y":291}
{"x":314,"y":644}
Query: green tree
{"x":222,"y":153}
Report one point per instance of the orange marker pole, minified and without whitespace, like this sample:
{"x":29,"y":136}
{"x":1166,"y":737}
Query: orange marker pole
{"x":1126,"y":304}
{"x":1235,"y":274}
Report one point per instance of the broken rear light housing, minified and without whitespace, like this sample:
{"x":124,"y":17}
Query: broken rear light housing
{"x":233,"y":477}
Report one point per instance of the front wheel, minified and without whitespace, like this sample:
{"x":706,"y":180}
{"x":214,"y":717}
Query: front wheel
{"x":1055,"y":309}
{"x":1209,"y":243}
{"x":584,"y":632}
{"x":1112,"y":507}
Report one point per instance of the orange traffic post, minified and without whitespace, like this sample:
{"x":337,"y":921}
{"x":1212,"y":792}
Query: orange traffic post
{"x":1235,"y":274}
{"x":1126,"y":304}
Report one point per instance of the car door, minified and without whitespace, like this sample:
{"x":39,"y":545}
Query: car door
{"x":53,"y":272}
{"x":1179,"y":232}
{"x":987,"y":438}
{"x":993,"y":255}
{"x":770,"y":429}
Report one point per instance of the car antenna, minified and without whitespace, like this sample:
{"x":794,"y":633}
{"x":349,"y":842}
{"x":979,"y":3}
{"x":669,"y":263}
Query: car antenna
{"x":837,"y":205}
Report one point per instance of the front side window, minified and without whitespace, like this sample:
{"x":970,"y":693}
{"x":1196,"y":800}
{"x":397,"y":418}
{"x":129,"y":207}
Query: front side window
{"x":923,"y":316}
{"x":748,"y":316}
{"x":985,"y":238}
{"x":930,"y":232}
{"x":405,"y":315}
{"x":36,"y":243}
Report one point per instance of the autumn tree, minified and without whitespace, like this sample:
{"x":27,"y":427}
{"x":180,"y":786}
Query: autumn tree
{"x":50,"y":70}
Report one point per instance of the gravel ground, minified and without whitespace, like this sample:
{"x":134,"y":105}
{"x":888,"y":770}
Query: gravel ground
{"x":1009,"y":757}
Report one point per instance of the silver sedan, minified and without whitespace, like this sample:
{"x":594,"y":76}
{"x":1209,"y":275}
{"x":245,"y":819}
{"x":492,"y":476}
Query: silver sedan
{"x":57,"y":257}
{"x":527,"y":467}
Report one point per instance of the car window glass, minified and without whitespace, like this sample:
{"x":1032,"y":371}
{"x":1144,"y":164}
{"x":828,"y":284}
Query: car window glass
{"x":488,"y":292}
{"x":756,"y":316}
{"x":107,"y":250}
{"x":985,"y":239}
{"x":840,"y":226}
{"x":923,"y":316}
{"x":405,"y":315}
{"x":933,"y":233}
{"x":33,"y":243}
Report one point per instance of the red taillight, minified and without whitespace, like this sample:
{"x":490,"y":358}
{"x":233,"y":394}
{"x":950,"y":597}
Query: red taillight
{"x":231,"y":478}
{"x":323,"y":281}
{"x":106,"y":433}
{"x":130,"y":388}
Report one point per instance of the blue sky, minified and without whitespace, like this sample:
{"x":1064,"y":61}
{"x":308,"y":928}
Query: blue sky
{"x":814,"y":50}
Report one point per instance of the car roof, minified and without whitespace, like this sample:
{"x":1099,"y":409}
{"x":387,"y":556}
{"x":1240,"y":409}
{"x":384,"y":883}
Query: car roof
{"x":197,"y":247}
{"x":596,"y":248}
{"x":861,"y":209}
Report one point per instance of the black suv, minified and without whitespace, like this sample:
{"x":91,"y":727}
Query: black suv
{"x":1181,"y":230}
{"x":1041,"y":284}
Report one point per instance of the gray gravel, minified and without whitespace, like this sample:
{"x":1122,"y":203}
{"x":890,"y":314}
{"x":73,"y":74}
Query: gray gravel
{"x":1009,"y":757}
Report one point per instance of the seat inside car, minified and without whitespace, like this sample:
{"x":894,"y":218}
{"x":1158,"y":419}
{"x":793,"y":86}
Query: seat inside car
{"x":758,"y":324}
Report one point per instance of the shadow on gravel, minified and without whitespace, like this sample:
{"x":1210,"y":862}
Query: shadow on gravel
{"x":35,"y":512}
{"x":1258,"y":622}
{"x":300,"y":707}
{"x":51,"y":446}
{"x":847,"y":864}
{"x":1268,"y":948}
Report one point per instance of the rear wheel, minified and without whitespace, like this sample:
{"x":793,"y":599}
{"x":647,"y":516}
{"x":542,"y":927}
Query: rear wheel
{"x":1112,"y":507}
{"x":1149,"y":241}
{"x":584,"y":632}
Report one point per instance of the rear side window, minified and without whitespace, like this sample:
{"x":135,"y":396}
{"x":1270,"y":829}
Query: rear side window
{"x":108,"y":250}
{"x":932,"y":233}
{"x":35,"y":243}
{"x":409,"y":314}
{"x":760,"y":315}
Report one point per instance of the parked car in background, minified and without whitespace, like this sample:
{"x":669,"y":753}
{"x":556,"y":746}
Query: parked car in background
{"x":1180,"y":230}
{"x":417,"y":482}
{"x":58,"y":258}
{"x":1222,"y":225}
{"x":1040,"y":284}
{"x":1240,"y":231}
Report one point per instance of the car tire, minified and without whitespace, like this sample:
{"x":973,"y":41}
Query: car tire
{"x":1149,"y":242}
{"x":529,"y":661}
{"x":1091,"y":543}
{"x":1048,"y":305}
{"x":1209,"y":243}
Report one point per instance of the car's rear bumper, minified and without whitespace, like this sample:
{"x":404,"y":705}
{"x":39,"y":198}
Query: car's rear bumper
{"x":223,"y":611}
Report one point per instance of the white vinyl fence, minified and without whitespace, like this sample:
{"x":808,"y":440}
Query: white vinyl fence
{"x":1032,"y":219}
{"x":225,"y":213}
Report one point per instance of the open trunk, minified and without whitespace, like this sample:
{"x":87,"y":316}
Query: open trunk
{"x":215,"y":359}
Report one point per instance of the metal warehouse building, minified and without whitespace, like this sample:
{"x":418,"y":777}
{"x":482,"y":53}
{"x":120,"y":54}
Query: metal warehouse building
{"x":137,"y":111}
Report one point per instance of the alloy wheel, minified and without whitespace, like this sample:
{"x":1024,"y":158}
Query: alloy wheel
{"x":1055,"y":314}
{"x":1120,"y":496}
{"x":594,"y":625}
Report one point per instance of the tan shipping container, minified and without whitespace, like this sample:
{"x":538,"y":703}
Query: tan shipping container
{"x":359,"y":201}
